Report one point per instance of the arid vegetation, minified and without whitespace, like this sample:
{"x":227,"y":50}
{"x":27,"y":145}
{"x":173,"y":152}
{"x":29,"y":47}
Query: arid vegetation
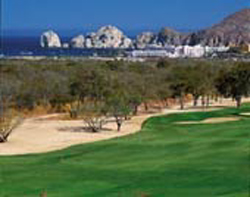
{"x":96,"y":91}
{"x":7,"y":126}
{"x":8,"y":121}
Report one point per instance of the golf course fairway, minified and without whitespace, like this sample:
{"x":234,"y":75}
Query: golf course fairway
{"x":164,"y":159}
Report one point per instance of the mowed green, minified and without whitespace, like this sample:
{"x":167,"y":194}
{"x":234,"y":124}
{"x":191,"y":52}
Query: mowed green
{"x":164,"y":159}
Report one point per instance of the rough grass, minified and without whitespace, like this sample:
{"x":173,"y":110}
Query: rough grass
{"x":165,"y":159}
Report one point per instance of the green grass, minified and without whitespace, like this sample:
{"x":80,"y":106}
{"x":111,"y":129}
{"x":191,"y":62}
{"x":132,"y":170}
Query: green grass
{"x":164,"y":159}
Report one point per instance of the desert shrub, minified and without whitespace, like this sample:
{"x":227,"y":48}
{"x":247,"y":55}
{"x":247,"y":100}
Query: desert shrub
{"x":93,"y":115}
{"x":7,"y":126}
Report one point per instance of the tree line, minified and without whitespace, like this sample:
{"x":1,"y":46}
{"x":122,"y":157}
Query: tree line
{"x":117,"y":88}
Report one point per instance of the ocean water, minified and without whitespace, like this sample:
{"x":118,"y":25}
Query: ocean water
{"x":14,"y":46}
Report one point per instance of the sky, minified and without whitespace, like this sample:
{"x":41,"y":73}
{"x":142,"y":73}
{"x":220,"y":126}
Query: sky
{"x":72,"y":16}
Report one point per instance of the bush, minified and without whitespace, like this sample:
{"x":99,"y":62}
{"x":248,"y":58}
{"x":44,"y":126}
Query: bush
{"x":94,"y":116}
{"x":7,"y":126}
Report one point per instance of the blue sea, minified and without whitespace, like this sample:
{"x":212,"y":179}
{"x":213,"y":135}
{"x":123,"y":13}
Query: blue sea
{"x":14,"y":46}
{"x":27,"y":43}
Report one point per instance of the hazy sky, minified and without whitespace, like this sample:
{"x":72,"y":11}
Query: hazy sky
{"x":127,"y":14}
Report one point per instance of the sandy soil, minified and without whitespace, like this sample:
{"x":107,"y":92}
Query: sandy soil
{"x":39,"y":135}
{"x":245,"y":114}
{"x":211,"y":120}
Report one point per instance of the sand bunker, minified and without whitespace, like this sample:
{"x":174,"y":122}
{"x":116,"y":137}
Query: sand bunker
{"x":42,"y":135}
{"x":211,"y":120}
{"x":245,"y":114}
{"x":46,"y":133}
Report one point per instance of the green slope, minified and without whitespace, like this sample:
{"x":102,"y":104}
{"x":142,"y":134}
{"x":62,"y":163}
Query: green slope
{"x":164,"y":159}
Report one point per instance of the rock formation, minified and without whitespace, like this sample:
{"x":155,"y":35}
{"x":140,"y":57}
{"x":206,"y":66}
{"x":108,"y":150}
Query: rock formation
{"x":105,"y":37}
{"x":50,"y":39}
{"x":232,"y":31}
{"x":65,"y":45}
{"x":170,"y":37}
{"x":166,"y":37}
{"x":108,"y":37}
{"x":78,"y":42}
{"x":145,"y":39}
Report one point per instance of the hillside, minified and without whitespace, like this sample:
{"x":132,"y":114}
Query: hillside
{"x":233,"y":30}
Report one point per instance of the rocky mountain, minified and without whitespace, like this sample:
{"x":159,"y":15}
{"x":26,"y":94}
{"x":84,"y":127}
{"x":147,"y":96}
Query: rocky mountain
{"x":50,"y":39}
{"x":108,"y":37}
{"x":105,"y":37}
{"x":165,"y":37}
{"x":78,"y":42}
{"x":168,"y":36}
{"x":145,"y":39}
{"x":232,"y":31}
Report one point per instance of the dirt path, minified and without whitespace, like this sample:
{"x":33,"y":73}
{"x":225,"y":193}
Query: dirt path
{"x":39,"y":135}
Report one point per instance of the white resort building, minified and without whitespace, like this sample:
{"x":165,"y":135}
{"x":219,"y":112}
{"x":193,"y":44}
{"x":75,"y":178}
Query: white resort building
{"x":197,"y":51}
